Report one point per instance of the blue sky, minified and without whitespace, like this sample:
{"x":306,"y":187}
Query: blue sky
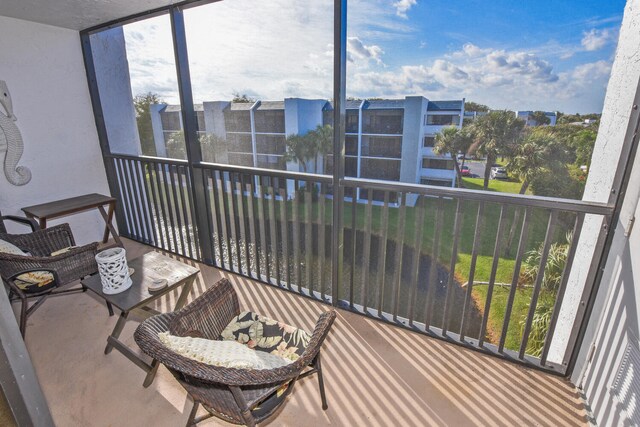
{"x":551,"y":55}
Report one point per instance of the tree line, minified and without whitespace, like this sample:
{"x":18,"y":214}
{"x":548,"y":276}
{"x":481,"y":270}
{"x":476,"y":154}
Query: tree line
{"x":549,"y":160}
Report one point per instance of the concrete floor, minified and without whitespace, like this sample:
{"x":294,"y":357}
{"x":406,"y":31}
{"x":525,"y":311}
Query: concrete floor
{"x":376,"y":374}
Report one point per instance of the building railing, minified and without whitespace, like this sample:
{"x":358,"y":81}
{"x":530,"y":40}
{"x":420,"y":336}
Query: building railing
{"x":485,"y":270}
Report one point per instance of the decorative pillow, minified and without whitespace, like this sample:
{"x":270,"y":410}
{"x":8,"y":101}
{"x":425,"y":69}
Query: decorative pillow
{"x":228,"y":354}
{"x":267,"y":335}
{"x":10,"y":248}
{"x":33,"y":282}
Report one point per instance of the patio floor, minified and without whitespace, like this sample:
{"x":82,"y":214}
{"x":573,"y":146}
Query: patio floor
{"x":376,"y":374}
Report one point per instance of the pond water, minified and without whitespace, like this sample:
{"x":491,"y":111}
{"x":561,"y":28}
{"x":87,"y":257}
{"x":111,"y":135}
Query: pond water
{"x":412,"y":295}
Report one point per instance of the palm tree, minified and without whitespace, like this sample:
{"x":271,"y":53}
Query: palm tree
{"x":323,"y":140}
{"x":493,"y":134}
{"x":452,"y":140}
{"x":301,"y":149}
{"x":531,"y":157}
{"x":539,"y":151}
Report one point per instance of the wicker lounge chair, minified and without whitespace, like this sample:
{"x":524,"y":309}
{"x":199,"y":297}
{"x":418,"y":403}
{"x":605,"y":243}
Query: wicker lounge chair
{"x":66,"y":267}
{"x":239,"y":396}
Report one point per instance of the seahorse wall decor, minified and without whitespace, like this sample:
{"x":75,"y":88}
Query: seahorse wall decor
{"x":11,"y":141}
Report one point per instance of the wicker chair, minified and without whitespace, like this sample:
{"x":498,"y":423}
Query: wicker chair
{"x":239,"y":396}
{"x":65,"y":267}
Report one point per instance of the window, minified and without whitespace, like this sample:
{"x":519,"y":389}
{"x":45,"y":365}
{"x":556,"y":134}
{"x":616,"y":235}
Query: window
{"x":429,"y":141}
{"x":388,"y":170}
{"x":382,"y":146}
{"x":352,"y":121}
{"x":436,"y":182}
{"x":269,"y":121}
{"x":237,"y":121}
{"x":443,"y":119}
{"x":351,"y":145}
{"x":239,"y":143}
{"x":429,"y":163}
{"x":382,"y":121}
{"x":270,"y":144}
{"x":170,"y":120}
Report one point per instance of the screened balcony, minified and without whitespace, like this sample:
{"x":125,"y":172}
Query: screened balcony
{"x":453,"y":305}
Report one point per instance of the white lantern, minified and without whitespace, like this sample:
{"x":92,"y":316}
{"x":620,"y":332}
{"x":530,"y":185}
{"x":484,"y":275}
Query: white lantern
{"x":114,"y":271}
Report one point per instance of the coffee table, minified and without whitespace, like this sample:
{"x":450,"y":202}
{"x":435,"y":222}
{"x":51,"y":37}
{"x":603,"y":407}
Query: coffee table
{"x":148,"y":267}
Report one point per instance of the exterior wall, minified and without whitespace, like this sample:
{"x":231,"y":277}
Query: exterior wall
{"x":156,"y":125}
{"x":44,"y":69}
{"x":618,"y":102}
{"x":114,"y":84}
{"x":300,"y":117}
{"x":432,"y":130}
{"x":214,"y":125}
{"x":614,"y":327}
{"x":414,"y":111}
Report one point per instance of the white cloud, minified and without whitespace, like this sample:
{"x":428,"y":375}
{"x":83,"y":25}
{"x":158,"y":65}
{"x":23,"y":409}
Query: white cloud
{"x":357,"y":50}
{"x":596,"y":39}
{"x":497,"y":77}
{"x":403,"y":6}
{"x":277,"y":49}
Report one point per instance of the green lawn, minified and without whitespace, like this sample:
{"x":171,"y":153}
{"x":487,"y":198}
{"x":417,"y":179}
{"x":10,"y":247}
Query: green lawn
{"x":499,"y":185}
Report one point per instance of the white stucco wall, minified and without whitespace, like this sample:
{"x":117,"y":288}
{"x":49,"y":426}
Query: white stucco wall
{"x":45,"y":73}
{"x":611,"y":137}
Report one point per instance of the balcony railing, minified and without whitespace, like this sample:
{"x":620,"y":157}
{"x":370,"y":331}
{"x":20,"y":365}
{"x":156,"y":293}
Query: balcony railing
{"x":481,"y":269}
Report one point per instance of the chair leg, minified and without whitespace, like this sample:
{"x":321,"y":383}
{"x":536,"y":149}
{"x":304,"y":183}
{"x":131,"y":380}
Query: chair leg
{"x":192,"y":414}
{"x":318,"y":367}
{"x":23,"y":314}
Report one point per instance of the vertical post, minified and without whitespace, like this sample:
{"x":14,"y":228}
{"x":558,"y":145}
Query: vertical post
{"x":190,"y":126}
{"x":101,"y":128}
{"x":339,"y":120}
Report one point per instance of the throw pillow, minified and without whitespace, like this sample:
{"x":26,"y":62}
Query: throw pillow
{"x":228,"y":354}
{"x":267,"y":335}
{"x":10,"y":248}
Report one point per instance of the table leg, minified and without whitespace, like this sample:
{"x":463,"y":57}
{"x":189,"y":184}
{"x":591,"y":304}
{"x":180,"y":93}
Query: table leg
{"x":108,"y":220}
{"x":186,"y":290}
{"x":43,"y":223}
{"x":151,"y":374}
{"x":117,"y":330}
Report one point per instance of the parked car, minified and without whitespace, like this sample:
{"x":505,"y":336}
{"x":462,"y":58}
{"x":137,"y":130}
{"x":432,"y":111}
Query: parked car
{"x":465,"y":171}
{"x":498,"y":173}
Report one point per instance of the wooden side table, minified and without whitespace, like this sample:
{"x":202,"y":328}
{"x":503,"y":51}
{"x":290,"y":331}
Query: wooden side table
{"x":60,"y":208}
{"x":148,"y":267}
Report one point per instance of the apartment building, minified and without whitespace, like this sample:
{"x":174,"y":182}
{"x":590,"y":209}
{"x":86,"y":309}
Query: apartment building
{"x":527,"y":116}
{"x":389,"y":139}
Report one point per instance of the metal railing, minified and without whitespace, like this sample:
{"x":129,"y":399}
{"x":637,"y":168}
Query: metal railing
{"x":485,"y":270}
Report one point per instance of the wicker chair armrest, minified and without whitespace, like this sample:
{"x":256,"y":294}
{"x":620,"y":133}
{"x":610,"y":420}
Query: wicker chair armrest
{"x":209,"y":314}
{"x":32,"y":223}
{"x":43,"y":242}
